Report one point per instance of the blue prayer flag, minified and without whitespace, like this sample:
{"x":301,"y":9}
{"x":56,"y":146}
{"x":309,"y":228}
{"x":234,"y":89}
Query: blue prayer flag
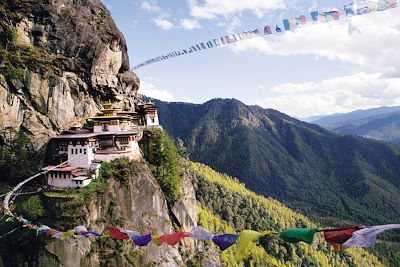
{"x":314,"y":16}
{"x":224,"y":241}
{"x":277,"y":29}
{"x":286,"y":25}
{"x":349,"y":9}
{"x":141,"y":240}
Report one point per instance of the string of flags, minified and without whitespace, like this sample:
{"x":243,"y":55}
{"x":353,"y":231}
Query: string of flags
{"x":315,"y":17}
{"x":339,"y":238}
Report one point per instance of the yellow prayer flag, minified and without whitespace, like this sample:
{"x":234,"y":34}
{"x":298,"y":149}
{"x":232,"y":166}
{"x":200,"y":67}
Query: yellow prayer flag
{"x":245,"y":238}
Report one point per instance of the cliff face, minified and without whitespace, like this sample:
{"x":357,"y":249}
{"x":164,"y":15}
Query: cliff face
{"x":58,"y":60}
{"x":139,"y":204}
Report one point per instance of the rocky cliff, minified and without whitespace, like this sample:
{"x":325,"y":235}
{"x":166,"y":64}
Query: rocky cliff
{"x":137,"y":203}
{"x":58,"y":60}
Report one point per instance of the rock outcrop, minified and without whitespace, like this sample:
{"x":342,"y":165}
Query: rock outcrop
{"x":139,"y":203}
{"x":64,"y":59}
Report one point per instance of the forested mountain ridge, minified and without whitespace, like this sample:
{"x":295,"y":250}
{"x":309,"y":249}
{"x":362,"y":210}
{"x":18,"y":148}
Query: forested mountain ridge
{"x":228,"y":206}
{"x":322,"y":174}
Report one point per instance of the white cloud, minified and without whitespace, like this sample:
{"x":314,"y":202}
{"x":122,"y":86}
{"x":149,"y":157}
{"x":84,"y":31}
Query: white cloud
{"x":210,"y":9}
{"x":190,"y":24}
{"x":151,"y":90}
{"x":150,"y":5}
{"x":370,"y":40}
{"x":163,"y":23}
{"x":340,"y":94}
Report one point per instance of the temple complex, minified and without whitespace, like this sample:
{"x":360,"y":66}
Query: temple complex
{"x":114,"y":133}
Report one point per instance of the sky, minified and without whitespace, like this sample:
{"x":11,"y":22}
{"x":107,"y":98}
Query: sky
{"x":321,"y":69}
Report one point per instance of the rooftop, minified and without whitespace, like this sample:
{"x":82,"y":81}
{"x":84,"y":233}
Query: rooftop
{"x":88,"y":135}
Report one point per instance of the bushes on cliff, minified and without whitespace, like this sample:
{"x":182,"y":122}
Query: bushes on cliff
{"x":165,"y":164}
{"x":33,"y":208}
{"x":18,"y":158}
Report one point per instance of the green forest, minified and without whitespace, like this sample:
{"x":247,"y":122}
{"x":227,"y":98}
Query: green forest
{"x":229,"y":206}
{"x":326,"y":176}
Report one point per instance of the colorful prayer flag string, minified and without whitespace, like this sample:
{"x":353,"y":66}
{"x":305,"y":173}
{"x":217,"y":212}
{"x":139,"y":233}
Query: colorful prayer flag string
{"x":289,"y":24}
{"x":339,"y":238}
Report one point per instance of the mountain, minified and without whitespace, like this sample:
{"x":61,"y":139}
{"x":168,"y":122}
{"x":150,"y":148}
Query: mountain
{"x":227,"y":205}
{"x":319,"y":173}
{"x":331,"y":121}
{"x":59,"y":60}
{"x":385,"y":127}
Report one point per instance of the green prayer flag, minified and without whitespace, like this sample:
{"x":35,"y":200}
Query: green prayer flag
{"x":298,"y":234}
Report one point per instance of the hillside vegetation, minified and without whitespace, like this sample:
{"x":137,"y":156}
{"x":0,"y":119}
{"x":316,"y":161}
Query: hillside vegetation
{"x":326,"y":176}
{"x":228,"y":206}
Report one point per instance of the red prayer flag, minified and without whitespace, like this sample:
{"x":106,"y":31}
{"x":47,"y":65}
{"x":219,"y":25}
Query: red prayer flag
{"x":51,"y":232}
{"x":116,"y":233}
{"x":337,"y":237}
{"x":172,"y":239}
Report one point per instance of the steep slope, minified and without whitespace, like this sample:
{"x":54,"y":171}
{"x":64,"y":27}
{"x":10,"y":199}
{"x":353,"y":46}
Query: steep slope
{"x":382,"y":127}
{"x":319,"y":173}
{"x":343,"y":118}
{"x":58,"y":61}
{"x":228,"y":206}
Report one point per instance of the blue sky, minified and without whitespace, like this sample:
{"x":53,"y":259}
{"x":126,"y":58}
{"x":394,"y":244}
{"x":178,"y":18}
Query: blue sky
{"x":317,"y":70}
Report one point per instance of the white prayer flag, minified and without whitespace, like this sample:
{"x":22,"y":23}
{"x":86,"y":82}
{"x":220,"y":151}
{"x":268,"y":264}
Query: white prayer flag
{"x":366,"y":237}
{"x":199,"y":233}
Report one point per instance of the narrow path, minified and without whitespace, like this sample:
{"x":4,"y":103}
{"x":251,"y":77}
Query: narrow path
{"x":6,"y":201}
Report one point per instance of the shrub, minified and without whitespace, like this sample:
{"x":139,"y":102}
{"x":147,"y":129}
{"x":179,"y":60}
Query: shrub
{"x":165,"y":164}
{"x":33,"y":208}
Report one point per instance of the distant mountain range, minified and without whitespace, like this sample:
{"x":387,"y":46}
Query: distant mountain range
{"x":340,"y":118}
{"x":327,"y":176}
{"x":378,"y":123}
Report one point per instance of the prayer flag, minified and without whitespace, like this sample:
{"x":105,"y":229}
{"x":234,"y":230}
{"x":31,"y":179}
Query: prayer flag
{"x":321,"y":17}
{"x":366,"y":237}
{"x":209,"y":44}
{"x":362,"y":8}
{"x":303,"y":20}
{"x":298,"y":234}
{"x":349,"y":9}
{"x":277,"y":29}
{"x":392,"y":4}
{"x":372,"y":6}
{"x":314,"y":16}
{"x":335,"y":14}
{"x":382,"y":5}
{"x":292,"y":23}
{"x":298,"y":22}
{"x":337,"y":237}
{"x":172,"y":239}
{"x":286,"y":25}
{"x":267,"y":30}
{"x":244,"y":239}
{"x":91,"y":233}
{"x":224,"y":241}
{"x":129,"y":233}
{"x":43,"y":229}
{"x":67,"y":235}
{"x":116,"y":233}
{"x":80,"y":229}
{"x":141,"y":240}
{"x":57,"y":235}
{"x":52,"y":232}
{"x":199,"y":233}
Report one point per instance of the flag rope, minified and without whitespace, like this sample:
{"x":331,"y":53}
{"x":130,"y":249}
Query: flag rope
{"x":315,"y":17}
